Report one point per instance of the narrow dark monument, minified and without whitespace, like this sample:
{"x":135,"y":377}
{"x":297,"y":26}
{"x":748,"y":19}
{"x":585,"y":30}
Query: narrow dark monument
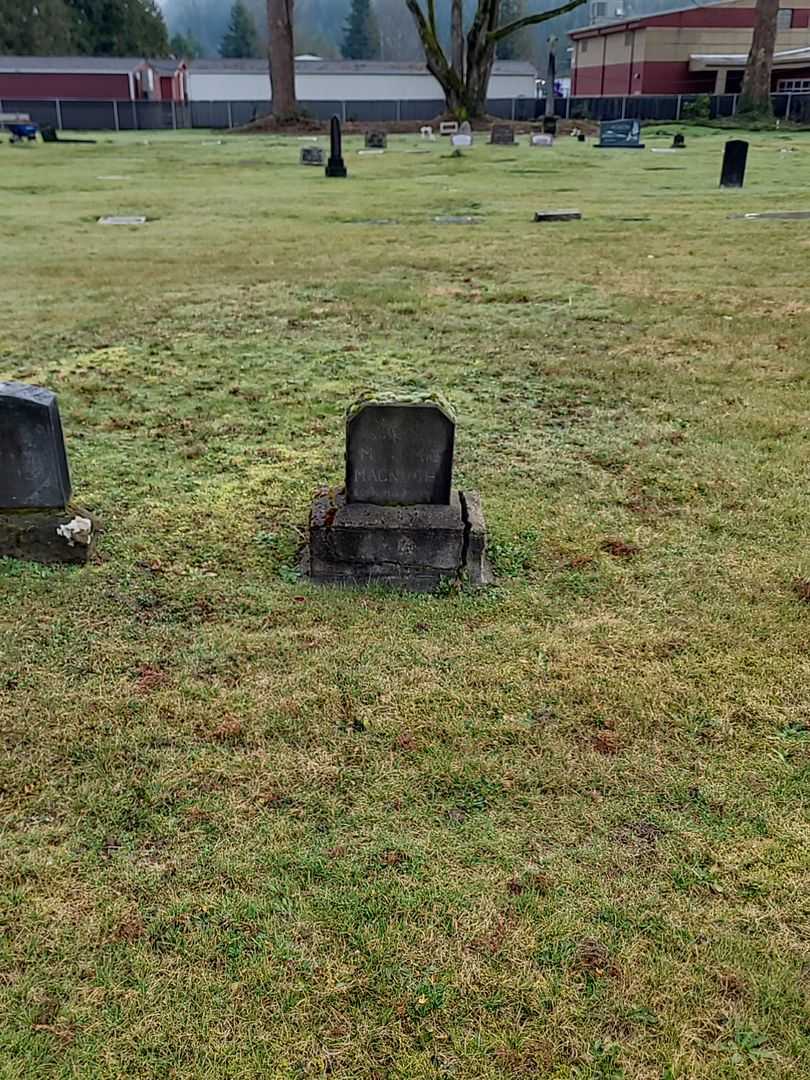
{"x":398,"y":521}
{"x":735,"y":155}
{"x":37,"y":520}
{"x":335,"y":166}
{"x":619,"y":135}
{"x":376,"y":140}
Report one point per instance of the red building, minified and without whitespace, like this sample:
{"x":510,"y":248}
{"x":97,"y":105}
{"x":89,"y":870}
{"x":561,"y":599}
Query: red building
{"x":92,"y":78}
{"x":696,"y":49}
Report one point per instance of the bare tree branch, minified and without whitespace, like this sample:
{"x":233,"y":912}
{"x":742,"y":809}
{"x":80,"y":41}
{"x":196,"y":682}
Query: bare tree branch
{"x":532,"y":20}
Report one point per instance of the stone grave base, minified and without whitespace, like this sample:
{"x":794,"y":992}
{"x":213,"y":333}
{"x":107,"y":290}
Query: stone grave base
{"x":47,"y":536}
{"x":408,"y":547}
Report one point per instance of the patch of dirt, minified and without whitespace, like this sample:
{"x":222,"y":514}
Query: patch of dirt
{"x":149,"y":679}
{"x":606,"y":742}
{"x":801,"y":587}
{"x":619,"y":549}
{"x":593,"y":958}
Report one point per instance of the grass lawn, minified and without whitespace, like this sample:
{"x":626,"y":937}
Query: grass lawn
{"x":557,"y":829}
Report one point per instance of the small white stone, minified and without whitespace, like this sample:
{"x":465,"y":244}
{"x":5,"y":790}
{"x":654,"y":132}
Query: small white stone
{"x":77,"y":531}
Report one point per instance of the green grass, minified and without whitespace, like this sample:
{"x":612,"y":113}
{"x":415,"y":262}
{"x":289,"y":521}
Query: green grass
{"x":557,"y":829}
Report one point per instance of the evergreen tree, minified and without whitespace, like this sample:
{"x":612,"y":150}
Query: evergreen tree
{"x":35,"y":28}
{"x":119,"y":27}
{"x":185,"y":47}
{"x":517,"y":46}
{"x":360,"y":36}
{"x":241,"y":38}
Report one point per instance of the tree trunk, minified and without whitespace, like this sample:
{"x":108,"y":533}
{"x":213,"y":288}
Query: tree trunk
{"x":755,"y":99}
{"x":282,"y":58}
{"x":465,"y":78}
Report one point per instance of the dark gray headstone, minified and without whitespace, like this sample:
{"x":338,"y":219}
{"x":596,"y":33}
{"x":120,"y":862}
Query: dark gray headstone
{"x":550,"y":125}
{"x":376,"y":140}
{"x":335,"y":166}
{"x":33,"y":464}
{"x":735,"y":156}
{"x":558,"y":215}
{"x":399,"y":453}
{"x":620,"y":134}
{"x":502,"y":135}
{"x":678,"y":141}
{"x":311,"y":155}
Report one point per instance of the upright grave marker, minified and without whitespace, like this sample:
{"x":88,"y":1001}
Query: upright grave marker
{"x":376,"y":140}
{"x":620,"y":135}
{"x":735,"y":156}
{"x":502,"y":135}
{"x":335,"y":166}
{"x":398,"y":521}
{"x":311,"y":155}
{"x":36,"y":519}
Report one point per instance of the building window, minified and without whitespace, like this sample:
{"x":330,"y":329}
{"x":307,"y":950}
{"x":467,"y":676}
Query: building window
{"x":793,"y":86}
{"x":784,"y":18}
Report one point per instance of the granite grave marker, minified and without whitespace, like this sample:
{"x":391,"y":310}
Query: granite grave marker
{"x":376,"y":140}
{"x":502,"y":135}
{"x":735,"y":155}
{"x":398,"y":521}
{"x":311,"y":155}
{"x":620,"y":135}
{"x":36,"y":520}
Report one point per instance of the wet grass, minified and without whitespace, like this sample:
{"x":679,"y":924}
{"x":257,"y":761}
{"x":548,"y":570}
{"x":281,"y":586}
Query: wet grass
{"x":558,"y":829}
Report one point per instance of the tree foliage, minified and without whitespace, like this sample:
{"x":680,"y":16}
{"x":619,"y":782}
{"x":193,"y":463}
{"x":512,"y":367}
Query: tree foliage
{"x":517,"y":46}
{"x":119,"y":27}
{"x":185,"y":47}
{"x":41,"y":28}
{"x":360,"y":37}
{"x":241,"y":38}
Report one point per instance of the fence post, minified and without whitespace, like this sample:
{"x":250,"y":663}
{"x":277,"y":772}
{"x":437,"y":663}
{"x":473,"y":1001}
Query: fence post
{"x":734,"y":105}
{"x":624,"y":107}
{"x":343,"y":112}
{"x":678,"y":108}
{"x":787,"y":108}
{"x":174,"y":116}
{"x":58,"y":114}
{"x":399,"y":110}
{"x":115,"y":116}
{"x":230,"y":115}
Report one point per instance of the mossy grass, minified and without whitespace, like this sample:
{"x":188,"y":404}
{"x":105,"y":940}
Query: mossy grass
{"x":555,"y":829}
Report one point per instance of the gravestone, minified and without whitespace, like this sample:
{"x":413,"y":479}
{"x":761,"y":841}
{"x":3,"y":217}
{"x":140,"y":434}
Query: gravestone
{"x":335,"y":166}
{"x":541,"y":140}
{"x":398,"y":521}
{"x":461,"y":138}
{"x":465,"y":128}
{"x":311,"y":155}
{"x":558,"y":215}
{"x":678,"y":141}
{"x":399,"y":454}
{"x":502,"y":135}
{"x":550,"y":125}
{"x":37,"y":521}
{"x":448,"y":127}
{"x":376,"y":140}
{"x":426,"y":132}
{"x":735,"y":156}
{"x":114,"y":220}
{"x":582,"y":137}
{"x":620,"y":135}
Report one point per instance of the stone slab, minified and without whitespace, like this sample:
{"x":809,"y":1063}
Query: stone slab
{"x":558,"y":215}
{"x":414,"y":547}
{"x":312,"y":155}
{"x":48,"y":536}
{"x":461,"y":138}
{"x":502,"y":135}
{"x":113,"y":220}
{"x":775,"y":215}
{"x":619,"y":135}
{"x":399,"y":453}
{"x":34,"y":471}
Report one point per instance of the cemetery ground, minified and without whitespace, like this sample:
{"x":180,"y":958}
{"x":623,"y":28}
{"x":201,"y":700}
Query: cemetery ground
{"x":557,"y":828}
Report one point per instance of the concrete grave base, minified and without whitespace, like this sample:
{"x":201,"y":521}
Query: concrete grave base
{"x":407,"y":547}
{"x":47,"y":536}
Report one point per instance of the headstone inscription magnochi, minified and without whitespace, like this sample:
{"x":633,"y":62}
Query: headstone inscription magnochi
{"x":335,"y":166}
{"x":37,"y":521}
{"x":502,"y":135}
{"x":620,"y":135}
{"x":311,"y":155}
{"x":735,"y":155}
{"x":376,"y":140}
{"x":398,"y":521}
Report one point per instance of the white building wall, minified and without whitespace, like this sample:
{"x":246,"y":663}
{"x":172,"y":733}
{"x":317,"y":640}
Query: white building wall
{"x":236,"y":86}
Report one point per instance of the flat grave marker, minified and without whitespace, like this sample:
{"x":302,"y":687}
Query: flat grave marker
{"x":620,"y":135}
